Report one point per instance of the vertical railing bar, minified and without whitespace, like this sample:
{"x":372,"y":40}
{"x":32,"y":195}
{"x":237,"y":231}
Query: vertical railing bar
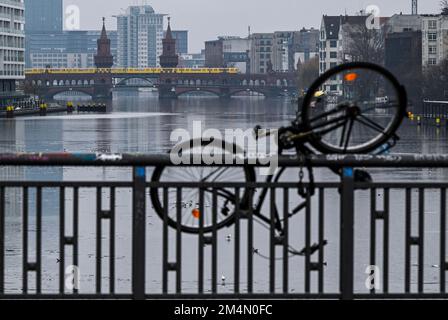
{"x":386,"y":242}
{"x":25,"y":241}
{"x":347,"y":232}
{"x":237,"y":243}
{"x":39,"y":240}
{"x":442,"y":240}
{"x":214,"y":241}
{"x":201,"y":242}
{"x":179,"y":241}
{"x":112,"y":242}
{"x":321,"y":239}
{"x":61,"y":240}
{"x":250,"y":243}
{"x":308,"y":243}
{"x":165,"y":242}
{"x":421,"y":228}
{"x":373,"y":193}
{"x":285,"y":240}
{"x":408,"y":223}
{"x":272,"y":243}
{"x":98,"y":239}
{"x":75,"y":231}
{"x":138,"y":232}
{"x":2,"y":240}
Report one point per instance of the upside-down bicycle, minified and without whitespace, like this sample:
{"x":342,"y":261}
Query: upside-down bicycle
{"x":355,"y":108}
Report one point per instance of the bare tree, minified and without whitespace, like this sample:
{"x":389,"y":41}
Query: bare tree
{"x":308,"y":73}
{"x":435,"y":81}
{"x":444,"y":5}
{"x":364,"y":44}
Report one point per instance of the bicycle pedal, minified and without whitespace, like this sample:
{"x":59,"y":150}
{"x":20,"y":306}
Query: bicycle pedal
{"x":313,"y":248}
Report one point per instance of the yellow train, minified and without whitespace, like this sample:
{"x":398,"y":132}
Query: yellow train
{"x":134,"y":71}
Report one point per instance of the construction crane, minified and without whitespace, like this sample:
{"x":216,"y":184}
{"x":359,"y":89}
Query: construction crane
{"x":414,"y":7}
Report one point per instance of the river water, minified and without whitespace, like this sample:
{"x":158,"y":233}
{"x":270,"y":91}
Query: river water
{"x":142,"y":123}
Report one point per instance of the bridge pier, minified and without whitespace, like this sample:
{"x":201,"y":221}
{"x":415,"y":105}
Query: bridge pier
{"x":167,"y":92}
{"x":225,"y":94}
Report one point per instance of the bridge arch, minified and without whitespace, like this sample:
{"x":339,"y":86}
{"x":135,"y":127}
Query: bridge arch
{"x":187,"y":91}
{"x":58,"y":91}
{"x":122,"y":82}
{"x":237,"y":91}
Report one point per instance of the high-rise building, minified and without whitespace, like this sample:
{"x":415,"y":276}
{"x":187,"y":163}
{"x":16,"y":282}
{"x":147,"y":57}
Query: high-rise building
{"x":228,"y":52}
{"x":403,"y":52}
{"x":305,"y":46}
{"x":281,"y":50}
{"x":140,"y":34}
{"x":192,"y":60}
{"x":181,"y":37}
{"x":43,"y":16}
{"x":12,"y":46}
{"x":214,"y":54}
{"x":261,"y":52}
{"x":434,"y":39}
{"x":67,"y":49}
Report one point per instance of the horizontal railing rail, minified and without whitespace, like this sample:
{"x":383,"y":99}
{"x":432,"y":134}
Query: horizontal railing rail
{"x":63,"y":238}
{"x":148,"y":160}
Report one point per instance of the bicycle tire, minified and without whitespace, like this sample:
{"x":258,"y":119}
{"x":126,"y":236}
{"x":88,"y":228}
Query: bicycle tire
{"x":372,"y":145}
{"x":250,"y":176}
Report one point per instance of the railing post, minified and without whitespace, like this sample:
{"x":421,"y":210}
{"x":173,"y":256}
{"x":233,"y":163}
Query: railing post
{"x":138,"y":232}
{"x":347,"y":234}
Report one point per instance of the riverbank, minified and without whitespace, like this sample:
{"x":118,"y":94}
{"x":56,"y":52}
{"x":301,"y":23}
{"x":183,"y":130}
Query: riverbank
{"x":52,"y":108}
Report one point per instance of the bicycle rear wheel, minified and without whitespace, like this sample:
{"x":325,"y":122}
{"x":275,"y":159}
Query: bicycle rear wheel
{"x":353,"y":108}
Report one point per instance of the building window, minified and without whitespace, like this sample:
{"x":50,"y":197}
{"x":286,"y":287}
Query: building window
{"x":432,"y":24}
{"x":333,"y":55}
{"x":432,"y":36}
{"x":432,"y":50}
{"x":333,"y":65}
{"x":333,"y":44}
{"x":432,"y":61}
{"x":333,"y":88}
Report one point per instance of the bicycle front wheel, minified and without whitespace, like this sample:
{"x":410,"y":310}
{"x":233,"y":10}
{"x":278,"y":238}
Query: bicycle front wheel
{"x":188,"y":204}
{"x":353,"y":108}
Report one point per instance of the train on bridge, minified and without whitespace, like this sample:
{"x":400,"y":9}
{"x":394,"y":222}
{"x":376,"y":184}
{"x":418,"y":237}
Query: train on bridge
{"x":170,"y":82}
{"x":134,"y":71}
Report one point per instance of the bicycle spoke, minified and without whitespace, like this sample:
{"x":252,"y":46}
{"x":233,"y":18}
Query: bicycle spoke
{"x":382,"y":107}
{"x":338,"y":108}
{"x":350,"y":129}
{"x":213,"y":172}
{"x":344,"y":130}
{"x":370,"y":124}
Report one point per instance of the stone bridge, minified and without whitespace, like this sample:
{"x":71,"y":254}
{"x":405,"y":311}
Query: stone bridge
{"x":171,"y":84}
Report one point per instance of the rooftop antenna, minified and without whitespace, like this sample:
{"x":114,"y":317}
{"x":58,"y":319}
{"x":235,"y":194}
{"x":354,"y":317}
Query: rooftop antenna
{"x":414,"y":7}
{"x":248,"y":29}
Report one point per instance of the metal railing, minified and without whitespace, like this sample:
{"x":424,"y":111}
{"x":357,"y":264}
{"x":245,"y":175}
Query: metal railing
{"x":108,"y":230}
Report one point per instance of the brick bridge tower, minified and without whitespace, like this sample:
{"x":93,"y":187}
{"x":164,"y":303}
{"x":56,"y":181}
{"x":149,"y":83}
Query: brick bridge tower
{"x":102,"y":88}
{"x":169,"y":58}
{"x":104,"y":58}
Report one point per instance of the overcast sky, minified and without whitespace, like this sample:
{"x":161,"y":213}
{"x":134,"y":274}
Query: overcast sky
{"x":207,"y":19}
